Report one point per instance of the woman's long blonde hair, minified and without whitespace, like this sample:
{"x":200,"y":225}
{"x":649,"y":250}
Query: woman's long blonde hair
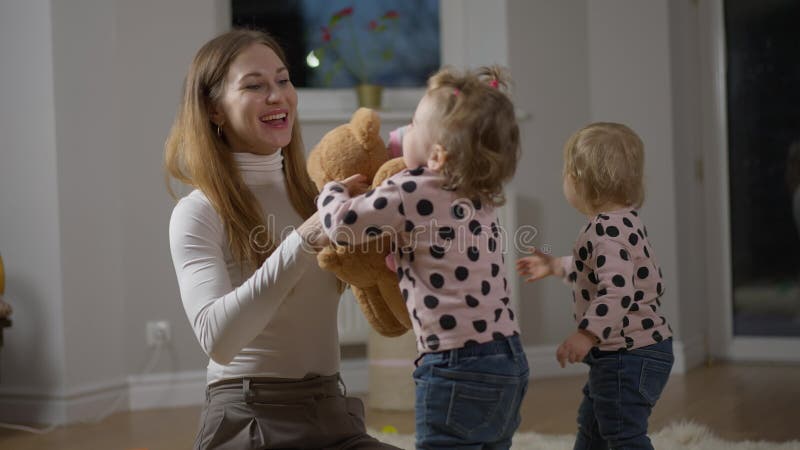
{"x":195,"y":154}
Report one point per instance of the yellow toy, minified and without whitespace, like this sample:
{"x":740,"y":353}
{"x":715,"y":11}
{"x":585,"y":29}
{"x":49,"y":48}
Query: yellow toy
{"x":356,"y":147}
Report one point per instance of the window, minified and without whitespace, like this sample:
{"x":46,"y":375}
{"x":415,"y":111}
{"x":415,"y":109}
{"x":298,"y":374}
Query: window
{"x":395,"y":42}
{"x":764,"y":159}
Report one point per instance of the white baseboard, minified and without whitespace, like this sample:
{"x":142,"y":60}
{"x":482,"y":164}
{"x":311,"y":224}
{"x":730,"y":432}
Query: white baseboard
{"x":763,"y":349}
{"x":355,"y":375}
{"x":171,"y":390}
{"x":543,"y":364}
{"x":167,"y":390}
{"x":689,"y":353}
{"x":57,"y":407}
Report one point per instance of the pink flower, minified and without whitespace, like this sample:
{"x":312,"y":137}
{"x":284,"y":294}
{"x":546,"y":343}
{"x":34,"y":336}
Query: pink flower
{"x":326,"y":34}
{"x":344,"y":13}
{"x":392,"y":14}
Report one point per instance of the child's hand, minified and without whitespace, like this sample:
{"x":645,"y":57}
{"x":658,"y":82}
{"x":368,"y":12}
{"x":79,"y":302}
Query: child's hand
{"x":539,"y":265}
{"x":356,"y":184}
{"x":575,"y":347}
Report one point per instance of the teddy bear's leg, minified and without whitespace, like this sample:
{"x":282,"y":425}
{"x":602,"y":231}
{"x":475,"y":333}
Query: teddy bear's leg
{"x":329,"y":259}
{"x":393,"y":298}
{"x":377,"y":312}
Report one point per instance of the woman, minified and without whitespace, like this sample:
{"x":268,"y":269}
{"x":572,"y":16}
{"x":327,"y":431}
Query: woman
{"x":243,"y":244}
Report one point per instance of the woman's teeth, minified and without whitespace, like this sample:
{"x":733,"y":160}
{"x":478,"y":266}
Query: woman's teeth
{"x":279,"y":116}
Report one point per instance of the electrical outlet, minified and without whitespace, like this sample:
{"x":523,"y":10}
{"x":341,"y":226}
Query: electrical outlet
{"x":157,"y":332}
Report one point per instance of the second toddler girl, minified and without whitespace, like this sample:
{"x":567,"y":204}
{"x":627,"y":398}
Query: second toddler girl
{"x":616,"y":290}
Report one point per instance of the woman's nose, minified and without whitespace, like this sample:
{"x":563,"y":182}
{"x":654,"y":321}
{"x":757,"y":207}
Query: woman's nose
{"x":274,"y":96}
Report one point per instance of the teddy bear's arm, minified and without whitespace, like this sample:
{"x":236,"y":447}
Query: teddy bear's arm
{"x":353,"y":220}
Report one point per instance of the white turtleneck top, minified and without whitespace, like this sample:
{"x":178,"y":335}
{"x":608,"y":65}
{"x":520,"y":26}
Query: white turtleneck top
{"x":278,"y":321}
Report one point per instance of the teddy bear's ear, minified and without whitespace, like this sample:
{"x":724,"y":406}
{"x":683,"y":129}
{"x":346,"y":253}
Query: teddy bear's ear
{"x":366,"y":126}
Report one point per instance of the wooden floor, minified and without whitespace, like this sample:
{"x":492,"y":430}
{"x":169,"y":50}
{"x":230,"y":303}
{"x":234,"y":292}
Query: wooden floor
{"x":738,"y":402}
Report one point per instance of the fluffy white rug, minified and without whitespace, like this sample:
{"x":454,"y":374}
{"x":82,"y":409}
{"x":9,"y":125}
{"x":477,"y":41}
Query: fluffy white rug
{"x":678,"y":436}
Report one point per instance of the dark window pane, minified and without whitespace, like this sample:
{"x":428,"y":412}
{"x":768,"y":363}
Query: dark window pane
{"x":763,"y":74}
{"x":338,"y":43}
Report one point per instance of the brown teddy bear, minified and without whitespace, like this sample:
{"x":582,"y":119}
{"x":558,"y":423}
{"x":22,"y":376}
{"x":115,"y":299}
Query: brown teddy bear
{"x":357,"y":147}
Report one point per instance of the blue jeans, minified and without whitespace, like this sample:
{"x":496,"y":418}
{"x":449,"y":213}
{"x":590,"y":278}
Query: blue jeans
{"x":622,"y":389}
{"x":469,"y":398}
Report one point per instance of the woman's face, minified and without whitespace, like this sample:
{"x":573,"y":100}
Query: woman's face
{"x":258,"y":106}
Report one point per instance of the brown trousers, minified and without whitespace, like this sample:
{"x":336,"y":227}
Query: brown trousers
{"x":268,"y":413}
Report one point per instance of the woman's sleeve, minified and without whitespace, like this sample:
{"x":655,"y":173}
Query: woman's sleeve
{"x":351,"y":220}
{"x":224,"y":317}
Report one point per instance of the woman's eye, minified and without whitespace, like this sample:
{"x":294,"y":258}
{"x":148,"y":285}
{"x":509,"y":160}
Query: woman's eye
{"x":283,"y":82}
{"x":253,"y":86}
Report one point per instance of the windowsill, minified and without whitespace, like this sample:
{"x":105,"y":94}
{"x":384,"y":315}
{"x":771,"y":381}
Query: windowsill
{"x":337,"y":105}
{"x":343,"y":115}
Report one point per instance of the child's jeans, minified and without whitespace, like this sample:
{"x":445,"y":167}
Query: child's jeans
{"x":622,"y":389}
{"x":469,"y":398}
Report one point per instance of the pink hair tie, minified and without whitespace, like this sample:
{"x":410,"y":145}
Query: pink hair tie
{"x":493,"y":83}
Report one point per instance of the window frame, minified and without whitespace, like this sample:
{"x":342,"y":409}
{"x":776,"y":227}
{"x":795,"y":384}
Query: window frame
{"x":456,"y":17}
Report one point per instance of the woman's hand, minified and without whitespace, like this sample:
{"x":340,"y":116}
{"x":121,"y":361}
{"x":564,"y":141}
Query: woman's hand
{"x":356,"y":184}
{"x":539,"y":265}
{"x":313,"y":234}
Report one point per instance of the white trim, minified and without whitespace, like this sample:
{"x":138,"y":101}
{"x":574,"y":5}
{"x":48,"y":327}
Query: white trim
{"x":689,"y":353}
{"x":82,"y":403}
{"x":543,"y":364}
{"x":355,"y":375}
{"x":764,"y":349}
{"x":180,"y":389}
{"x":717,"y":197}
{"x":337,"y":105}
{"x":720,"y":224}
{"x":166,"y":390}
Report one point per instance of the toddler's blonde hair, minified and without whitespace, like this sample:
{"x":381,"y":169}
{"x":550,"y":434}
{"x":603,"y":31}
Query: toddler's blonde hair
{"x":606,"y":162}
{"x":478,"y":130}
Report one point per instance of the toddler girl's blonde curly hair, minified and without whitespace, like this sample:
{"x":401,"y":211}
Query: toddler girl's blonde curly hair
{"x":478,"y":129}
{"x":606,"y":163}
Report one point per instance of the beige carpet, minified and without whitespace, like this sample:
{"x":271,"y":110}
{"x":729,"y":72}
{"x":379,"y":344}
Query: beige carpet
{"x":679,"y":436}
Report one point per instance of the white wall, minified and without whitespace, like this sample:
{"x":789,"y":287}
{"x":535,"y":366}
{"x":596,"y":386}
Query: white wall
{"x":87,"y":101}
{"x":150,"y":71}
{"x":551,"y":84}
{"x":89,"y":190}
{"x":630,"y":83}
{"x":689,"y":184}
{"x":579,"y":61}
{"x":29,"y":204}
